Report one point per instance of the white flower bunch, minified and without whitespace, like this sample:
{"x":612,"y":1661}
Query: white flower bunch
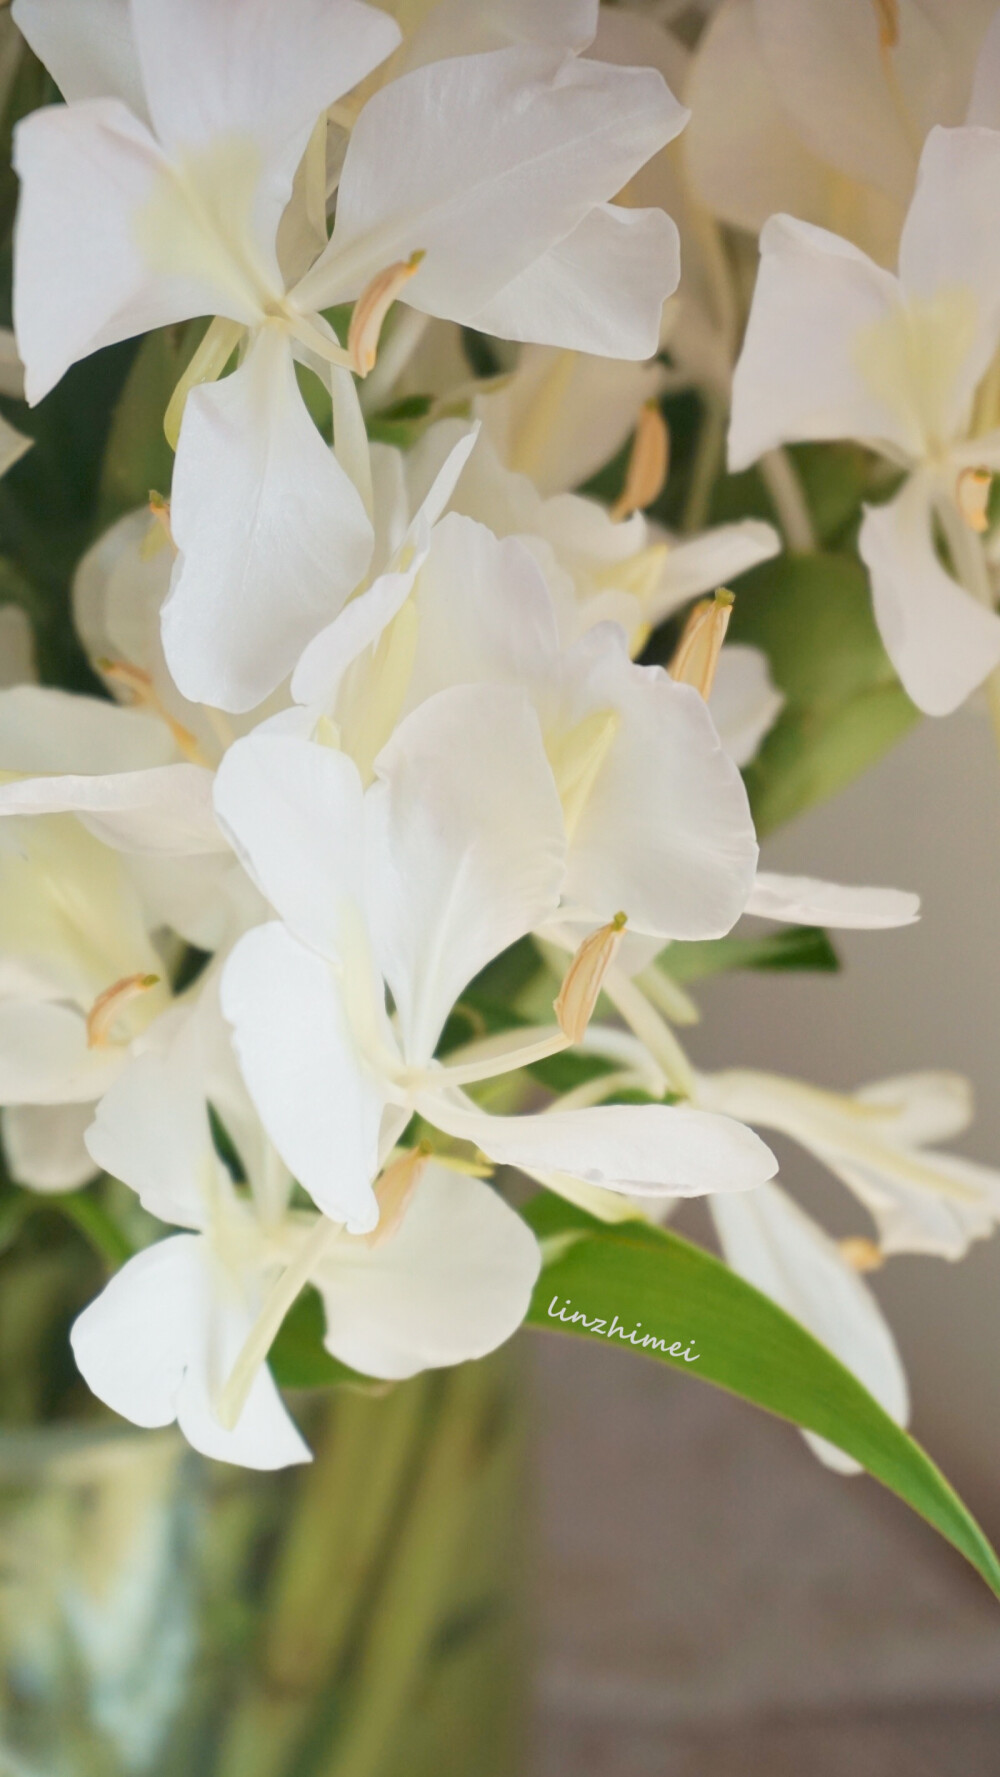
{"x":376,"y":712}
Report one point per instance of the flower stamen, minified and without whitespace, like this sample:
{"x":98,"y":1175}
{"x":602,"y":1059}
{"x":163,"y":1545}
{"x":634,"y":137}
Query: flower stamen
{"x":371,"y":309}
{"x":109,"y":1005}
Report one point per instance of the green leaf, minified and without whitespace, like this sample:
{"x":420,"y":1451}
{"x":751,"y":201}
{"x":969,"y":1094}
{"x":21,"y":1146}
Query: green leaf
{"x":649,"y":1279}
{"x":298,"y":1358}
{"x":797,"y":947}
{"x":138,"y":459}
{"x":844,"y":708}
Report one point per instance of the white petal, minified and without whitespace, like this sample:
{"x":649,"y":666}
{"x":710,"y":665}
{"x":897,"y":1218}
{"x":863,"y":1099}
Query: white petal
{"x":166,"y":810}
{"x":798,"y":375}
{"x":467,"y":849}
{"x":665,"y":835}
{"x":941,"y":642}
{"x":272,"y":533}
{"x":43,"y":730}
{"x":925,"y":1107}
{"x":155,"y":1345}
{"x":702,"y":564}
{"x":88,"y":172}
{"x":453,"y":28}
{"x":647,"y":1150}
{"x":44,"y":1058}
{"x":744,"y":704}
{"x":87,"y":47}
{"x":804,"y":900}
{"x":600,"y":290}
{"x":451,"y":1284}
{"x":43,"y":1145}
{"x":543,"y":141}
{"x":915,"y":1219}
{"x":562,"y":416}
{"x":771,"y":1242}
{"x":251,"y":70}
{"x":298,"y":1058}
{"x":293,"y":811}
{"x":17,"y":647}
{"x":949,"y":242}
{"x":316,"y":679}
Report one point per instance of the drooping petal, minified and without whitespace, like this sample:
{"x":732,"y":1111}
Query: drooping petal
{"x":701,"y":564}
{"x":924,"y":1107}
{"x":771,"y":1242}
{"x":87,"y":46}
{"x":917,"y":1217}
{"x":273,"y":535}
{"x":665,"y":834}
{"x":319,"y":1105}
{"x":453,"y":28}
{"x":166,"y":810}
{"x":44,"y":1148}
{"x":544,"y":140}
{"x":452,"y":1283}
{"x":600,"y":290}
{"x":802,"y":373}
{"x":293,"y":811}
{"x":44,"y":1058}
{"x":644,"y":1150}
{"x":744,"y":704}
{"x":467,"y":849}
{"x":43,"y":731}
{"x":89,"y":175}
{"x":803,"y":900}
{"x":941,"y":642}
{"x":155,"y":1347}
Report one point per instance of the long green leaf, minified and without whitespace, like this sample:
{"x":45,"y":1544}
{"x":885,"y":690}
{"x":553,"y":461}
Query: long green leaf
{"x":645,"y":1280}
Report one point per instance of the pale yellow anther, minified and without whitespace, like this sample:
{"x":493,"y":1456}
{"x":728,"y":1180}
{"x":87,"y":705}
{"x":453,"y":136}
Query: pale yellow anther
{"x":647,"y":465}
{"x":581,"y":988}
{"x":144,"y":695}
{"x":159,"y":534}
{"x":109,"y":1006}
{"x":973,"y":496}
{"x":394,"y":1190}
{"x":371,"y":309}
{"x":696,"y":657}
{"x":862,"y":1254}
{"x":887,"y":15}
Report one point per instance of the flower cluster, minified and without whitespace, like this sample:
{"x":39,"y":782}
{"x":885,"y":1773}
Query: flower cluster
{"x":375,"y":713}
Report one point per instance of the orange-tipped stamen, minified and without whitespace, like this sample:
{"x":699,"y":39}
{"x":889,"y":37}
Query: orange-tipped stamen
{"x":696,"y":657}
{"x":887,"y":15}
{"x":581,"y":988}
{"x":109,"y":1006}
{"x":647,"y":465}
{"x":973,"y":496}
{"x":371,"y":309}
{"x":395,"y":1189}
{"x":861,"y":1254}
{"x":143,"y":695}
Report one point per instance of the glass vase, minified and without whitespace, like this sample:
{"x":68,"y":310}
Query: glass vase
{"x":360,"y":1617}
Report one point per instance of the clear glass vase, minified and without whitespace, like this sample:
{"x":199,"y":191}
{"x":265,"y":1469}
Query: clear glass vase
{"x":362,"y":1617}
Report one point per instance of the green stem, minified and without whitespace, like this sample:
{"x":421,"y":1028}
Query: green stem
{"x":95,"y":1224}
{"x":707,"y":459}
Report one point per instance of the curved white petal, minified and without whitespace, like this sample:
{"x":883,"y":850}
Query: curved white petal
{"x":44,"y":1058}
{"x":801,"y":372}
{"x":645,"y":1150}
{"x":949,"y":246}
{"x":467,"y":848}
{"x":166,"y":810}
{"x":293,"y":811}
{"x":155,"y":1347}
{"x":771,"y":1242}
{"x":702,"y":564}
{"x":89,"y":172}
{"x":452,"y":1283}
{"x":453,"y":28}
{"x":924,"y":1107}
{"x":43,"y":731}
{"x":941,"y":642}
{"x":44,"y":1148}
{"x":804,"y":900}
{"x":665,"y":835}
{"x":320,"y":1107}
{"x":600,"y":290}
{"x":911,"y":1218}
{"x":272,"y":533}
{"x":316,"y":680}
{"x":87,"y":46}
{"x":544,"y":139}
{"x":745,"y":703}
